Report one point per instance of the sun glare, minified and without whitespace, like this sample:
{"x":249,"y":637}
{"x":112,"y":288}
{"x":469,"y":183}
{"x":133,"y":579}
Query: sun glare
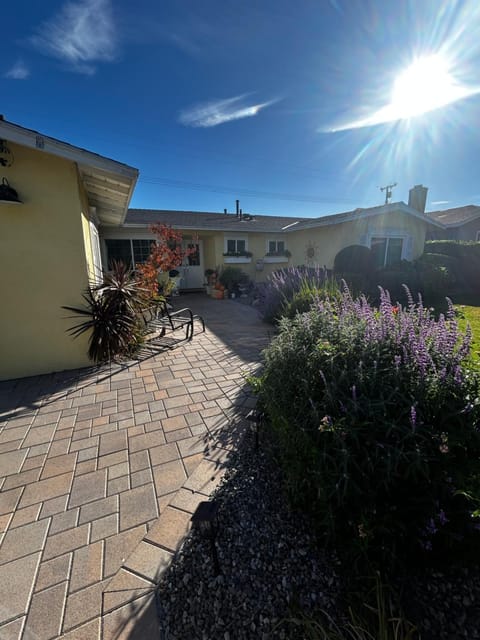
{"x":427,"y":84}
{"x":424,"y":86}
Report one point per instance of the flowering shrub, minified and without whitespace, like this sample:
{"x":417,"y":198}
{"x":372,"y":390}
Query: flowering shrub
{"x":167,"y":253}
{"x":378,"y":417}
{"x":282,"y":286}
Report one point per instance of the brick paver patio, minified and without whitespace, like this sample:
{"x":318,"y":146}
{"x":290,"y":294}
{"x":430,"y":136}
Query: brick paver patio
{"x":89,"y":460}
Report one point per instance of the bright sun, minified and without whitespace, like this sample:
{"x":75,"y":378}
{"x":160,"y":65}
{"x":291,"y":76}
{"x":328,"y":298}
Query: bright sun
{"x":425,"y":85}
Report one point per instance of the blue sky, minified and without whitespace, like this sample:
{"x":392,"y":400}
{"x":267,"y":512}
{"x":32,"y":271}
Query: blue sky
{"x":286,"y":105}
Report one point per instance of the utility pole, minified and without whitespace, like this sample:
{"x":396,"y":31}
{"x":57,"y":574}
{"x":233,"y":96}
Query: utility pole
{"x":388,"y":191}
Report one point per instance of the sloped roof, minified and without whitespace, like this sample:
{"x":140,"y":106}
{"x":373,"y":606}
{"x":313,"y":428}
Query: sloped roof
{"x":456,"y":216}
{"x":108,"y":184}
{"x":210,"y":221}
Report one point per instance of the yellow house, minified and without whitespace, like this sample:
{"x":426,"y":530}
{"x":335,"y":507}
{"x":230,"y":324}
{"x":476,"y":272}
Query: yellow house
{"x":260,"y":244}
{"x":49,"y":243}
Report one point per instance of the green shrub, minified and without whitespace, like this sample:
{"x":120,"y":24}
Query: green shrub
{"x":462,"y":261}
{"x":377,"y":417}
{"x":307,"y":296}
{"x":282,"y":285}
{"x":231,"y":277}
{"x":394,"y":278}
{"x":354,"y":259}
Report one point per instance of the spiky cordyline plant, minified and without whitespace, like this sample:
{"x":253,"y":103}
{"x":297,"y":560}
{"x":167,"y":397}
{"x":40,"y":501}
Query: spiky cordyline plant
{"x":110,"y":315}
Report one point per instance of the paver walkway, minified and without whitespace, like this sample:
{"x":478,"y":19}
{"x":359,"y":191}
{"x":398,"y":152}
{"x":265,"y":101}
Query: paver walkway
{"x":89,"y":459}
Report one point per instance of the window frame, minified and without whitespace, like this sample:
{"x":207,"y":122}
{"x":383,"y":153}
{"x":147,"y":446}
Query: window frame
{"x":235,"y":238}
{"x":388,"y":237}
{"x":276,"y":251}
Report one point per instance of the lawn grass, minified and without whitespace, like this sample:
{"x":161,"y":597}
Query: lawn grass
{"x":471,"y":314}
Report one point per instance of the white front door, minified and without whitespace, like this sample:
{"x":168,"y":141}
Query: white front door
{"x":192,"y":267}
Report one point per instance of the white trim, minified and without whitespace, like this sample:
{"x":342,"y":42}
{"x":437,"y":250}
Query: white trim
{"x":392,"y":235}
{"x":272,"y":238}
{"x":34,"y":140}
{"x":236,"y":260}
{"x":389,"y":233}
{"x":96,"y":253}
{"x":272,"y":259}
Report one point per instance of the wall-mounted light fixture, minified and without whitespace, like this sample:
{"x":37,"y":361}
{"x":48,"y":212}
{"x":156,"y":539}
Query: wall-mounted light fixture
{"x":6,"y":156}
{"x":7,"y":194}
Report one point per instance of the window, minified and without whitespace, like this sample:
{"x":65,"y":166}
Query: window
{"x":141,"y":250}
{"x":97,"y":258}
{"x":236,"y":245}
{"x":386,"y":251}
{"x":276,"y":246}
{"x":477,"y":237}
{"x":194,"y":258}
{"x":119,"y":250}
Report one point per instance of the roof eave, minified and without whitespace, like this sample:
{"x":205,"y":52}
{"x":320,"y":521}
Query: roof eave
{"x":84,"y":159}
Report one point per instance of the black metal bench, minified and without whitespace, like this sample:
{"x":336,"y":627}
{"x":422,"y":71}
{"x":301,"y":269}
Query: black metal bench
{"x":160,"y":318}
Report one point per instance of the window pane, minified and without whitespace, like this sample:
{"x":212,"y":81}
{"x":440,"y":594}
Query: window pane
{"x":120,"y":251}
{"x":194,"y":258}
{"x":394,"y":250}
{"x":141,"y":250}
{"x":240,"y":245}
{"x":280,"y":246}
{"x":231,"y":246}
{"x":272,"y":246}
{"x":378,"y":247}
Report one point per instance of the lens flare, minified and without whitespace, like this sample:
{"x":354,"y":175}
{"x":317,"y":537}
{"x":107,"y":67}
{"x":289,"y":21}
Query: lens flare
{"x":427,"y":84}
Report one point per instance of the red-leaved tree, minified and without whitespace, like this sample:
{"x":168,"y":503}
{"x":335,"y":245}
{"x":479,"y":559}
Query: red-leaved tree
{"x":167,"y":253}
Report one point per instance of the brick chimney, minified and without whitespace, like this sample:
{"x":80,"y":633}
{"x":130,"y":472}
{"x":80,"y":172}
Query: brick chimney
{"x":417,"y":198}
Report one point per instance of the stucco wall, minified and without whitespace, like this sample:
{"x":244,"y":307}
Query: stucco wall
{"x":326,"y":242}
{"x":43,"y":265}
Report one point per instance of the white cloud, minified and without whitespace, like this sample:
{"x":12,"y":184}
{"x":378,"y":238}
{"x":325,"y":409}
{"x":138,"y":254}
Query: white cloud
{"x":81,"y":34}
{"x":441,"y":202}
{"x":19,"y":71}
{"x":211,"y":114}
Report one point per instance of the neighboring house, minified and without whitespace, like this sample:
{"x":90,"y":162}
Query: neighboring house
{"x":460,"y":223}
{"x":394,"y":232}
{"x":49,"y":244}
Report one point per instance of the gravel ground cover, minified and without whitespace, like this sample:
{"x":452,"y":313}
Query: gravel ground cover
{"x":445,"y":605}
{"x":269,"y":565}
{"x":271,"y":571}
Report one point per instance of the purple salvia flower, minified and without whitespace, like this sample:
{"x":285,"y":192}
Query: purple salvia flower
{"x":442,"y":518}
{"x":413,"y":418}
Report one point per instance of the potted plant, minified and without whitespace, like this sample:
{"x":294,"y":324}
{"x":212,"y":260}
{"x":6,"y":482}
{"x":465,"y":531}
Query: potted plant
{"x":231,"y":278}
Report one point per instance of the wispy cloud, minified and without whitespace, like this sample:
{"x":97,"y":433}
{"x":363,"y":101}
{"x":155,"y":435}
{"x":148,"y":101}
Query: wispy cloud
{"x":81,"y":34}
{"x":211,"y":114}
{"x":19,"y":71}
{"x":441,"y":202}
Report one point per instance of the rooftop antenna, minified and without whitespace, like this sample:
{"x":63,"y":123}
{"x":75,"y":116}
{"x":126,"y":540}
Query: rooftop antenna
{"x":388,"y":191}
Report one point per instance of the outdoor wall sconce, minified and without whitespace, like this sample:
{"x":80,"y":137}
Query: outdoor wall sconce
{"x":205,"y":518}
{"x":6,"y":156}
{"x":255,"y":418}
{"x":7,"y":194}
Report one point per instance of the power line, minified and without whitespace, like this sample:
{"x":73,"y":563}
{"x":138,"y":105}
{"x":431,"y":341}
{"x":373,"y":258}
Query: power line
{"x":195,"y":186}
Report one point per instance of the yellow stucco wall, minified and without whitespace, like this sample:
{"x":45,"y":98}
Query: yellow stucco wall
{"x":329,"y":240}
{"x":326,"y":241}
{"x":43,"y":266}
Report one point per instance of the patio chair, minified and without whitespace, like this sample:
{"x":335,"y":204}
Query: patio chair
{"x":163,"y":318}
